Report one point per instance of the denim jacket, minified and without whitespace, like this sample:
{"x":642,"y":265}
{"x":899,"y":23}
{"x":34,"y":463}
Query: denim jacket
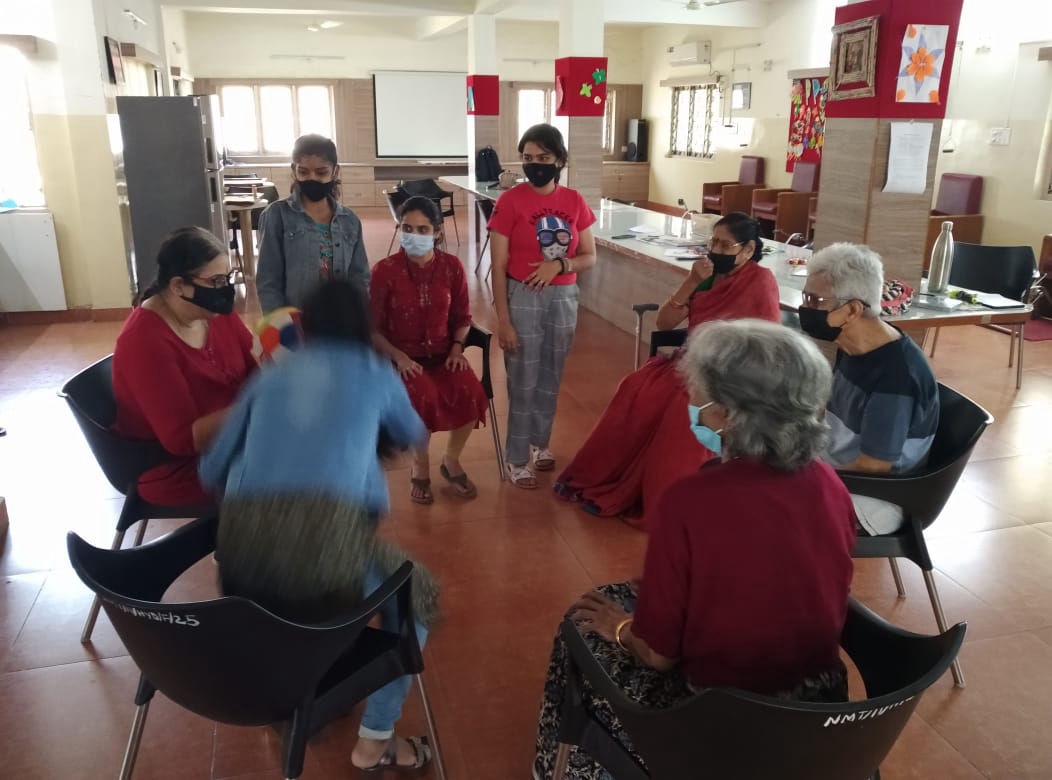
{"x":289,"y":262}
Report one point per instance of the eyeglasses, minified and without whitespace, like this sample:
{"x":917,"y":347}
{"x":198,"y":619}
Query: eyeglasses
{"x":220,"y":280}
{"x":812,"y":301}
{"x":716,"y":244}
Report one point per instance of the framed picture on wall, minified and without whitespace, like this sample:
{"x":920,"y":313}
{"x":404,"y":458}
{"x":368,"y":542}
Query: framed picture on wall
{"x":853,"y":59}
{"x":114,"y":62}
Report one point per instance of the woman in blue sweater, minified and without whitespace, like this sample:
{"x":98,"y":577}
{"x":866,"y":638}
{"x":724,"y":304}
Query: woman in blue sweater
{"x":303,"y":491}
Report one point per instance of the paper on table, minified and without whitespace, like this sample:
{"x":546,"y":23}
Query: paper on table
{"x":995,"y":301}
{"x":682,"y":253}
{"x":908,"y":157}
{"x":646,"y":230}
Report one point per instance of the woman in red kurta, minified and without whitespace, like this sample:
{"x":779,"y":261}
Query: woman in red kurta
{"x":422,"y":314}
{"x":180,"y":360}
{"x":639,"y":446}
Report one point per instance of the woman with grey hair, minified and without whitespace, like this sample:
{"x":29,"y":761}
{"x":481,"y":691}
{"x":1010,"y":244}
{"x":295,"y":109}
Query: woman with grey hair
{"x":747,"y":572}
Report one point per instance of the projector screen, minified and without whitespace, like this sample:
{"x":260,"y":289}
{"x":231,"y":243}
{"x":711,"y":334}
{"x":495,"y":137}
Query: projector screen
{"x":420,"y":114}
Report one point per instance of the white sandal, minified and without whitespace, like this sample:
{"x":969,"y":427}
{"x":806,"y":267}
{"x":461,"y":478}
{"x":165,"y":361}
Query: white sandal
{"x":543,"y":458}
{"x":522,"y":477}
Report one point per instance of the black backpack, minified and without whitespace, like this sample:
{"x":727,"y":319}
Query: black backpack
{"x":487,"y":164}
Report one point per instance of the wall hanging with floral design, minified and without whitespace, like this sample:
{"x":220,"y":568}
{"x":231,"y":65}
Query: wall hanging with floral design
{"x":807,"y":121}
{"x":923,"y":57}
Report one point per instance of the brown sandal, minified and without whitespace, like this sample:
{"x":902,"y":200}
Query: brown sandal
{"x":424,"y":486}
{"x":463,"y":486}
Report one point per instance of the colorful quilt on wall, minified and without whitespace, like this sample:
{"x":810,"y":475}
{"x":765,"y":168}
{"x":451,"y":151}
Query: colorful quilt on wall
{"x":807,"y":121}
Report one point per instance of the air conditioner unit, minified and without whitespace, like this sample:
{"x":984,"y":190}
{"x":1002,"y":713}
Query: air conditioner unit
{"x":693,"y":53}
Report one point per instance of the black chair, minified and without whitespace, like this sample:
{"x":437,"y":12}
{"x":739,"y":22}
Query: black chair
{"x":1004,"y":270}
{"x":923,"y":494}
{"x":429,"y":189}
{"x":395,"y":198}
{"x":677,"y":337}
{"x":91,"y":399}
{"x":485,"y":207}
{"x":727,"y":733}
{"x":481,"y":338}
{"x":232,"y":661}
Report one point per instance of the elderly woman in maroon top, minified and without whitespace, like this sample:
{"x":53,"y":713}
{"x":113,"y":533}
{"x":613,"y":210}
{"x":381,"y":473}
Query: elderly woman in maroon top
{"x":748,"y":568}
{"x":422,"y":314}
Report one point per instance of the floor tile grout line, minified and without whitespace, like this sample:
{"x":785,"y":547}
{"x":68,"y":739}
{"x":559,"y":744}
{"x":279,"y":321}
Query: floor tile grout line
{"x":29,"y":612}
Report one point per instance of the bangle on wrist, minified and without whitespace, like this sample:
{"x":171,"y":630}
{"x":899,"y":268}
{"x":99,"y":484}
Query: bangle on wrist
{"x":617,"y":633}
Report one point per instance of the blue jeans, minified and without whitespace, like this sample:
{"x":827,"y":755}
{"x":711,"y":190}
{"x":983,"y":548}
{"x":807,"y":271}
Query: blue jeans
{"x":384,"y":707}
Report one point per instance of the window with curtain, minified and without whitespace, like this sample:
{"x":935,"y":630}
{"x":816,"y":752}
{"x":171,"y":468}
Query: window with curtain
{"x":695,"y":111}
{"x":266,"y":119}
{"x":19,"y":168}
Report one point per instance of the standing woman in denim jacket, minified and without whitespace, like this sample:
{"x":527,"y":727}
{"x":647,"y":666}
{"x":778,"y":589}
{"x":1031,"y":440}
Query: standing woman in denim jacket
{"x":309,"y":237}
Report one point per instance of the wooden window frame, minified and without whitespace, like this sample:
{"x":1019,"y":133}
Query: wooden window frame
{"x":704,"y":148}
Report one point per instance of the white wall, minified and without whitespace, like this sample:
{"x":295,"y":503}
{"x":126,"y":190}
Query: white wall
{"x":175,"y":40}
{"x":241,"y":45}
{"x":797,"y":36}
{"x":998,"y":82}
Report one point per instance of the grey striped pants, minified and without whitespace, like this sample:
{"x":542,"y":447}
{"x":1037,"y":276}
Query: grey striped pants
{"x":544,"y":322}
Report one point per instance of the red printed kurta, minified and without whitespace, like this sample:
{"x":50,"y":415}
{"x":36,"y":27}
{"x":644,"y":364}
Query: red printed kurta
{"x":418,"y":309}
{"x":643,"y":442}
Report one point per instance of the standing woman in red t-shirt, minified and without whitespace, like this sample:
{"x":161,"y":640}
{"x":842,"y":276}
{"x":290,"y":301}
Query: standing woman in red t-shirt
{"x":540,"y":238}
{"x":180,"y":360}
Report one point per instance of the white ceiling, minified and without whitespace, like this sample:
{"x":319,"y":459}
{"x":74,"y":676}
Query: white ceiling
{"x":741,"y":13}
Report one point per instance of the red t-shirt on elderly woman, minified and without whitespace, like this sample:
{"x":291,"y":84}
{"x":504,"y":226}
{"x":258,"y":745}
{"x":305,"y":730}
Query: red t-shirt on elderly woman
{"x":163,"y":385}
{"x":747,"y":575}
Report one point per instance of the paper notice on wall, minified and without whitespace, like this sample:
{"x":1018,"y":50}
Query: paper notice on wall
{"x":908,"y":157}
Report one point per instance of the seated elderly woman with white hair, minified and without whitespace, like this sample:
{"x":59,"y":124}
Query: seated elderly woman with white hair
{"x":884,"y":406}
{"x":748,"y":568}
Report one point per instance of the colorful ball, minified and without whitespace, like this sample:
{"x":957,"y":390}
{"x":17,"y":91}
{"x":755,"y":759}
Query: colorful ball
{"x":279,"y":333}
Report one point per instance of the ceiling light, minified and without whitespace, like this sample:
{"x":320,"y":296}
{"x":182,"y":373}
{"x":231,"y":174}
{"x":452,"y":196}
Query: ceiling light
{"x":136,"y":20}
{"x":313,"y":28}
{"x":328,"y":24}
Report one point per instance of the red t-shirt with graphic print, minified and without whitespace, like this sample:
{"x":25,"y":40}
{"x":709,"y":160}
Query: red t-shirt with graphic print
{"x":540,"y":227}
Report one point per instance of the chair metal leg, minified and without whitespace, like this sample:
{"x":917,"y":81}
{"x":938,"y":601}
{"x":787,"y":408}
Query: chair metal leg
{"x":141,"y":532}
{"x":934,"y":343}
{"x":432,"y":732}
{"x":456,"y":230}
{"x":1019,"y":358}
{"x":897,"y":576}
{"x":482,"y":255}
{"x":940,"y":621}
{"x":394,"y":235}
{"x":562,"y":758}
{"x":495,"y":430}
{"x":134,"y":739}
{"x":639,"y":339}
{"x":96,"y":604}
{"x":1012,"y":333}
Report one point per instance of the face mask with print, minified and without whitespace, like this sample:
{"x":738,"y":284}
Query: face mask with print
{"x":704,"y":434}
{"x":540,"y":174}
{"x":417,"y":245}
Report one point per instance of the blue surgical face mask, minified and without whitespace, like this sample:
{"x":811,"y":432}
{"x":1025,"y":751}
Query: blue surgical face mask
{"x":705,"y":435}
{"x":416,"y":244}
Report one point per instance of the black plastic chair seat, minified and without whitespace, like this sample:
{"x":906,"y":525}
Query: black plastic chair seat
{"x":726,"y":733}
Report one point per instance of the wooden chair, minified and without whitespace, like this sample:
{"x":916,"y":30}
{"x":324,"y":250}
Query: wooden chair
{"x":723,"y":197}
{"x":960,"y":200}
{"x":784,"y":210}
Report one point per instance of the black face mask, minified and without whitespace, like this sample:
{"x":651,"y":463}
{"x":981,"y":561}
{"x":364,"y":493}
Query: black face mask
{"x":218,"y":300}
{"x":315,"y":190}
{"x":539,"y":174}
{"x":815,"y":323}
{"x":722,"y":264}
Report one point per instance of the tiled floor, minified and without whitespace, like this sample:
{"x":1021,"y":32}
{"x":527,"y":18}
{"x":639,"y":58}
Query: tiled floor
{"x":510,"y":563}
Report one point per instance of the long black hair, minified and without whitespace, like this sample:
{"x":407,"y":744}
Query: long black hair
{"x":744,"y":229}
{"x":314,"y":145}
{"x":550,"y":140}
{"x":337,"y":310}
{"x":184,"y":252}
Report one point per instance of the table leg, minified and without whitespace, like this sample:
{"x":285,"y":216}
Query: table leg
{"x":1019,"y":358}
{"x":473,"y":230}
{"x":248,"y":251}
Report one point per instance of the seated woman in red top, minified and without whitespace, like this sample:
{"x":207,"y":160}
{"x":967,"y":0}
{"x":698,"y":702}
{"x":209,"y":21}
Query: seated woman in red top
{"x":639,"y":446}
{"x":179,"y":362}
{"x":748,"y":568}
{"x":422,"y":314}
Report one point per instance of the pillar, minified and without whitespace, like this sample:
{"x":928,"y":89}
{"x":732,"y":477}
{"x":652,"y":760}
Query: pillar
{"x":581,"y":40}
{"x":484,"y":122}
{"x":852,"y":205}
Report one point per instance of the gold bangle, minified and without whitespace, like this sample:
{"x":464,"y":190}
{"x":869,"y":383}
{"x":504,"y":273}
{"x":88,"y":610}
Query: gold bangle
{"x":617,"y":633}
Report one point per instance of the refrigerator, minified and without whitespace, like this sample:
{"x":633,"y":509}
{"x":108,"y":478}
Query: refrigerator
{"x":169,"y":164}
